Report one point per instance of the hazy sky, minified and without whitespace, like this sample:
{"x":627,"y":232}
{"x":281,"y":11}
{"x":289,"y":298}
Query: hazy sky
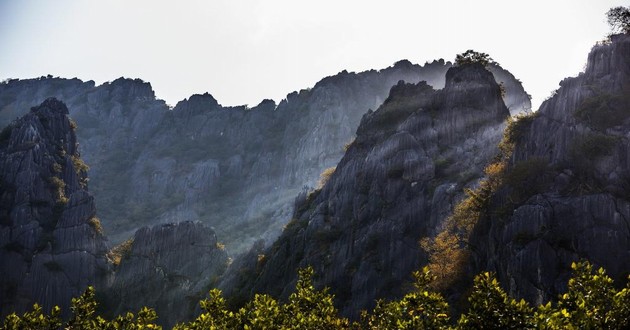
{"x":244,"y":51}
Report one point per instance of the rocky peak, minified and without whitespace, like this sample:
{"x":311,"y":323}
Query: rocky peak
{"x":608,"y":62}
{"x":51,"y":243}
{"x":131,"y":89}
{"x":395,"y":184}
{"x":198,"y":103}
{"x":566,"y":192}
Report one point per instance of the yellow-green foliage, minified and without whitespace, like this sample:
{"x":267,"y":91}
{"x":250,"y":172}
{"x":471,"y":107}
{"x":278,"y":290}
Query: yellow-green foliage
{"x":419,"y":309}
{"x":60,"y":190}
{"x":325,"y":176}
{"x":79,"y":165}
{"x":120,"y":251}
{"x":516,"y":128}
{"x":95,"y":223}
{"x":307,"y":308}
{"x":591,"y":302}
{"x":492,"y":308}
{"x":448,"y":251}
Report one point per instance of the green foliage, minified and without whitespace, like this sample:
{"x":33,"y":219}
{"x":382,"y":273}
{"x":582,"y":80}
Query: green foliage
{"x":307,"y":308}
{"x":516,"y":128}
{"x":83,"y":317}
{"x":619,"y":19}
{"x":84,"y":312}
{"x":420,"y":309}
{"x":470,"y":57}
{"x":593,"y":146}
{"x":591,"y":302}
{"x":34,"y":320}
{"x":492,"y":308}
{"x":605,"y":110}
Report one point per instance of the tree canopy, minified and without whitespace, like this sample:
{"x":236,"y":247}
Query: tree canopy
{"x":470,"y":56}
{"x":619,"y":19}
{"x":591,"y":302}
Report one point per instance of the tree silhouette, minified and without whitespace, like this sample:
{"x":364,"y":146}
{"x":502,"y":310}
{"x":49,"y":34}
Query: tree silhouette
{"x":619,"y":19}
{"x":470,"y":56}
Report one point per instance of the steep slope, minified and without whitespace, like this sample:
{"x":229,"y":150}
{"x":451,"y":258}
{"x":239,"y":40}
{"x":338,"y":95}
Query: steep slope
{"x":51,"y":243}
{"x":234,"y":168}
{"x":566,"y":194}
{"x":395,"y":184}
{"x":168,"y":268}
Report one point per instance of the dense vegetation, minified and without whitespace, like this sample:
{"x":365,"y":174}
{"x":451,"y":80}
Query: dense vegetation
{"x":591,"y":302}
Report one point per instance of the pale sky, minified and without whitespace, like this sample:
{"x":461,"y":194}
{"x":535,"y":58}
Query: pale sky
{"x":242,"y":51}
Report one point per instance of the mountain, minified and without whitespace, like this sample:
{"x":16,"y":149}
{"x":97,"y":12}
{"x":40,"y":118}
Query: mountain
{"x":51,"y":242}
{"x":566,"y":192}
{"x":396,"y":183}
{"x":237,"y":169}
{"x":168,"y":268}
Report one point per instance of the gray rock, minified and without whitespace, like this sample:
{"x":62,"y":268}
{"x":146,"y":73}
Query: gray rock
{"x":400,"y":176}
{"x":51,"y":244}
{"x":169,"y":268}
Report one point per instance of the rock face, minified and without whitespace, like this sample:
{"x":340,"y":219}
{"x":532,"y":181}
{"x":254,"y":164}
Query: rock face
{"x":567,"y":186}
{"x":237,"y":169}
{"x":395,"y":184}
{"x":51,"y":243}
{"x":169,"y":268}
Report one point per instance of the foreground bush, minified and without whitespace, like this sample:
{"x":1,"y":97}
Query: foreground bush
{"x":591,"y":302}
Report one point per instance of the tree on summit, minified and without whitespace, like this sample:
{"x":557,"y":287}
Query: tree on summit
{"x":619,"y":19}
{"x":470,"y":56}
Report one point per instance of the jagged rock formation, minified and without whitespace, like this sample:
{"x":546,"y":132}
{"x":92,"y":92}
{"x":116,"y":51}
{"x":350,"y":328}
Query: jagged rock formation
{"x":51,"y":243}
{"x":169,"y":268}
{"x":395,"y":184}
{"x":567,"y":189}
{"x":234,"y":168}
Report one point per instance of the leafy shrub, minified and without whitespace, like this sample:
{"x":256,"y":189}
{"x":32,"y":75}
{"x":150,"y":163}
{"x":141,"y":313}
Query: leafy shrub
{"x":470,"y":57}
{"x":120,"y":251}
{"x":325,"y":176}
{"x":516,"y":128}
{"x":593,"y":146}
{"x":604,"y":110}
{"x":95,"y":223}
{"x":591,"y":302}
{"x":492,"y":308}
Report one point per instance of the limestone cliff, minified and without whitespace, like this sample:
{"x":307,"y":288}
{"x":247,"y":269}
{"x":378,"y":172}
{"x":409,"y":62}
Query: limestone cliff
{"x":168,"y":268}
{"x":51,"y":243}
{"x":237,"y":169}
{"x":395,"y":184}
{"x":566,"y":194}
